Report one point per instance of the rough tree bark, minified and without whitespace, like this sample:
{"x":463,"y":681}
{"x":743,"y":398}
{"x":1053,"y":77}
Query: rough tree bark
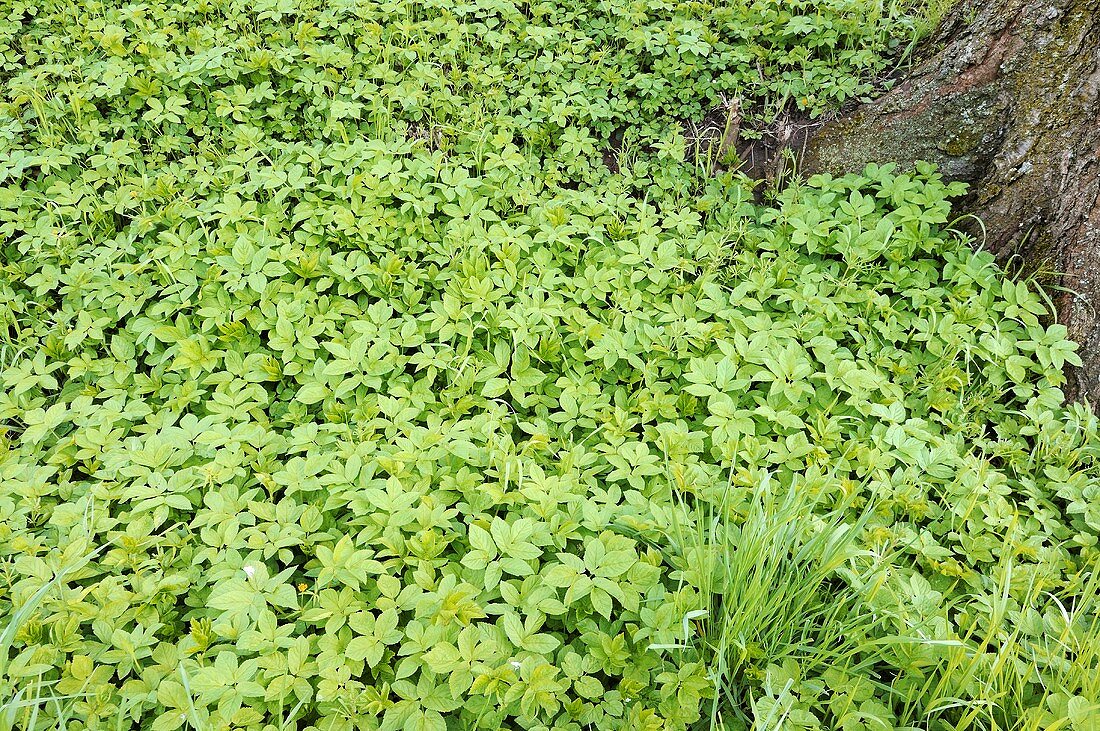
{"x":1007,"y":98}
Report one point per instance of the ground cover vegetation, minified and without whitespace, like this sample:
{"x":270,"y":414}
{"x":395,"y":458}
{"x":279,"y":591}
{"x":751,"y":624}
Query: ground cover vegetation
{"x":344,"y":385}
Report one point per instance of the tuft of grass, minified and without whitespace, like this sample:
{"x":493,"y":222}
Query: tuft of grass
{"x":784,"y":581}
{"x":788,"y":588}
{"x":992,"y":678}
{"x":928,"y":14}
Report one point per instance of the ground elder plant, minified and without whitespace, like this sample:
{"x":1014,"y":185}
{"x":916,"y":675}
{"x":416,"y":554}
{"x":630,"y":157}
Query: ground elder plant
{"x":344,"y":386}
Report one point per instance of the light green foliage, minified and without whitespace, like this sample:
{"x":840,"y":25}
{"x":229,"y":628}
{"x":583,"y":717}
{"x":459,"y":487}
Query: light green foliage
{"x":342,"y":386}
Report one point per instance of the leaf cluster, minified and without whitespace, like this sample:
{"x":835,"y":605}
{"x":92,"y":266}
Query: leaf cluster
{"x":343,"y":387}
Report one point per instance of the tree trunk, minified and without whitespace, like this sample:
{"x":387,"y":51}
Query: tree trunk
{"x":1006,"y":98}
